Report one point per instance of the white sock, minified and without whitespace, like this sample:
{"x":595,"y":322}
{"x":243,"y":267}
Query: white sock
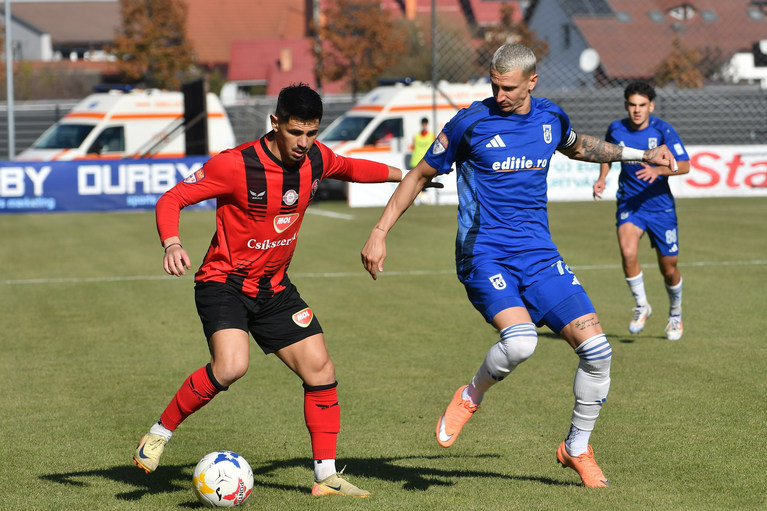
{"x":324,"y":469}
{"x":590,"y":386}
{"x":675,"y":299}
{"x":636,"y":286}
{"x":577,"y":441}
{"x":159,"y":429}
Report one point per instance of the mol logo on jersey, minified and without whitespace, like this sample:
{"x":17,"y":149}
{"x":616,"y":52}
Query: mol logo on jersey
{"x":282,"y":222}
{"x":303,"y":317}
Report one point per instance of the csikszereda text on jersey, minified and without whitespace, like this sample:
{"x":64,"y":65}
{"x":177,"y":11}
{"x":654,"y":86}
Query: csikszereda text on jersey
{"x":260,"y":204}
{"x":655,"y":196}
{"x":502,"y":161}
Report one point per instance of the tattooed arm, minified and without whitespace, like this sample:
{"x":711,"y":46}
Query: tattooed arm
{"x":588,"y":148}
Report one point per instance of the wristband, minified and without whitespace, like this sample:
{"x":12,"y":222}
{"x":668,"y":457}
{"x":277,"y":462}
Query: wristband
{"x":179,"y":244}
{"x":631,"y":154}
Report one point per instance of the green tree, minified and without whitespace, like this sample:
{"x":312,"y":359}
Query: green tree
{"x":359,"y":41}
{"x":151,"y":44}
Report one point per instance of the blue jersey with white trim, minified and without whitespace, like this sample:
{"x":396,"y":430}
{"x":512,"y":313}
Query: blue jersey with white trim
{"x":632,"y":191}
{"x":502,"y":161}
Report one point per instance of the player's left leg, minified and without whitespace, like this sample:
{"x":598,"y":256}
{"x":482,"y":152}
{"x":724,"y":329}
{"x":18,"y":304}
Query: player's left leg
{"x":576,"y":322}
{"x":673,"y":280}
{"x":590,"y":386}
{"x":310,"y":360}
{"x":558,"y":300}
{"x":664,"y":238}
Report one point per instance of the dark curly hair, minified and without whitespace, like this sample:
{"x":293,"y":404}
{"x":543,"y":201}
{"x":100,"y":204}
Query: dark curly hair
{"x":641,"y":88}
{"x":300,"y":101}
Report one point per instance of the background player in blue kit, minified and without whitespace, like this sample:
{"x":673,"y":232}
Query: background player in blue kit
{"x":510,"y":267}
{"x":645,"y":204}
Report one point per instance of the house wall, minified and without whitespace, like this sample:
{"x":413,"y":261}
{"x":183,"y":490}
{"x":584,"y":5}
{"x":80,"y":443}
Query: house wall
{"x":559,"y":69}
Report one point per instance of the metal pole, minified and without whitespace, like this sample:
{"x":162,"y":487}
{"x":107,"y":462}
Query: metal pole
{"x":9,"y":81}
{"x":433,"y":65}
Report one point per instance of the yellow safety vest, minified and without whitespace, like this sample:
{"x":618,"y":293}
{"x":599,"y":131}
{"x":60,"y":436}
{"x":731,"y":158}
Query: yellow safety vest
{"x":421,"y":143}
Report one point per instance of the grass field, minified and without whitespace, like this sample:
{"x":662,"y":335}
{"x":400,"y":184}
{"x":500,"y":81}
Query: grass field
{"x":95,"y":341}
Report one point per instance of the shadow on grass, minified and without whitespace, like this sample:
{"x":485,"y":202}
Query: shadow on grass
{"x":169,"y":479}
{"x":420,"y":476}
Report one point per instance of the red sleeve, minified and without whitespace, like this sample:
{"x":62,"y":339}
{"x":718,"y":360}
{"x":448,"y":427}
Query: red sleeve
{"x":209,"y":182}
{"x":353,"y":169}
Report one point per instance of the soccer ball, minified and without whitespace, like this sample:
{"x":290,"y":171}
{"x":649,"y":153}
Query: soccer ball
{"x":222,"y":479}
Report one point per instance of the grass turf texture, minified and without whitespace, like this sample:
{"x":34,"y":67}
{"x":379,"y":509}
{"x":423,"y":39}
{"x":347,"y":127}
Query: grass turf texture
{"x":95,"y":341}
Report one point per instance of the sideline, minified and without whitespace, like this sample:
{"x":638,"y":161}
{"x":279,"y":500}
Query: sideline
{"x":360,"y":273}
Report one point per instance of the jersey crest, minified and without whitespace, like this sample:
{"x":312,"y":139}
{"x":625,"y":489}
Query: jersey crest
{"x":547,"y":133}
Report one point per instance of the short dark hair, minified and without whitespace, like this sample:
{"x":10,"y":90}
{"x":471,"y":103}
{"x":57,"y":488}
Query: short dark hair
{"x":300,"y":101}
{"x":641,"y":88}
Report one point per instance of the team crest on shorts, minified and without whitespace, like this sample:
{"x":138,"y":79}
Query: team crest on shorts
{"x":497,"y":281}
{"x":303,"y":317}
{"x":196,"y":176}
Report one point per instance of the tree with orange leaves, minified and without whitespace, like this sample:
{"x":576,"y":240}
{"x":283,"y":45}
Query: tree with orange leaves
{"x":151,"y":44}
{"x":359,"y":41}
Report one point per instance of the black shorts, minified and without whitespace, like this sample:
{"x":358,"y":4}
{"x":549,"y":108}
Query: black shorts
{"x":274,"y":323}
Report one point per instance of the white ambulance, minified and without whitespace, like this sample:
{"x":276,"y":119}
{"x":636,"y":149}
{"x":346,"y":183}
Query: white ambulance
{"x":381,"y":127}
{"x":116,"y":124}
{"x":386,"y":119}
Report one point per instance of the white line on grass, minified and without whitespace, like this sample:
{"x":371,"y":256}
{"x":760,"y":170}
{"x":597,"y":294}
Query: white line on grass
{"x":330,"y":214}
{"x":361,"y":272}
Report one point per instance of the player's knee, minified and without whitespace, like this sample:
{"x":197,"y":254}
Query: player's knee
{"x":229,"y":371}
{"x":516,"y":345}
{"x":595,"y":355}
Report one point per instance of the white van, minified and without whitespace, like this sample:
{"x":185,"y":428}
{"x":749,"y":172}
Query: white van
{"x":116,"y":124}
{"x":387,"y":118}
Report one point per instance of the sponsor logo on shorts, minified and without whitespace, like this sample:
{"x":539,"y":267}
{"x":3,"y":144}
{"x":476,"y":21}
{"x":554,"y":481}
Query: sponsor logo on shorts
{"x":497,"y":281}
{"x":282,"y":222}
{"x":624,"y":215}
{"x":196,"y":176}
{"x":303,"y":317}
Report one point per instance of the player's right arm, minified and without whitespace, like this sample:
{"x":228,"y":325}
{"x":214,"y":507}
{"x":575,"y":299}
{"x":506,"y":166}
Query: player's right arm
{"x":212,"y":180}
{"x":599,"y":185}
{"x":176,"y":259}
{"x":374,"y":251}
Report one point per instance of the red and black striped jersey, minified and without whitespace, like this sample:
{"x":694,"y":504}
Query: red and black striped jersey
{"x":260,"y":204}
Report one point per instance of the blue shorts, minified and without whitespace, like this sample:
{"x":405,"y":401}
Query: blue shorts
{"x":660,"y":226}
{"x":550,"y":292}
